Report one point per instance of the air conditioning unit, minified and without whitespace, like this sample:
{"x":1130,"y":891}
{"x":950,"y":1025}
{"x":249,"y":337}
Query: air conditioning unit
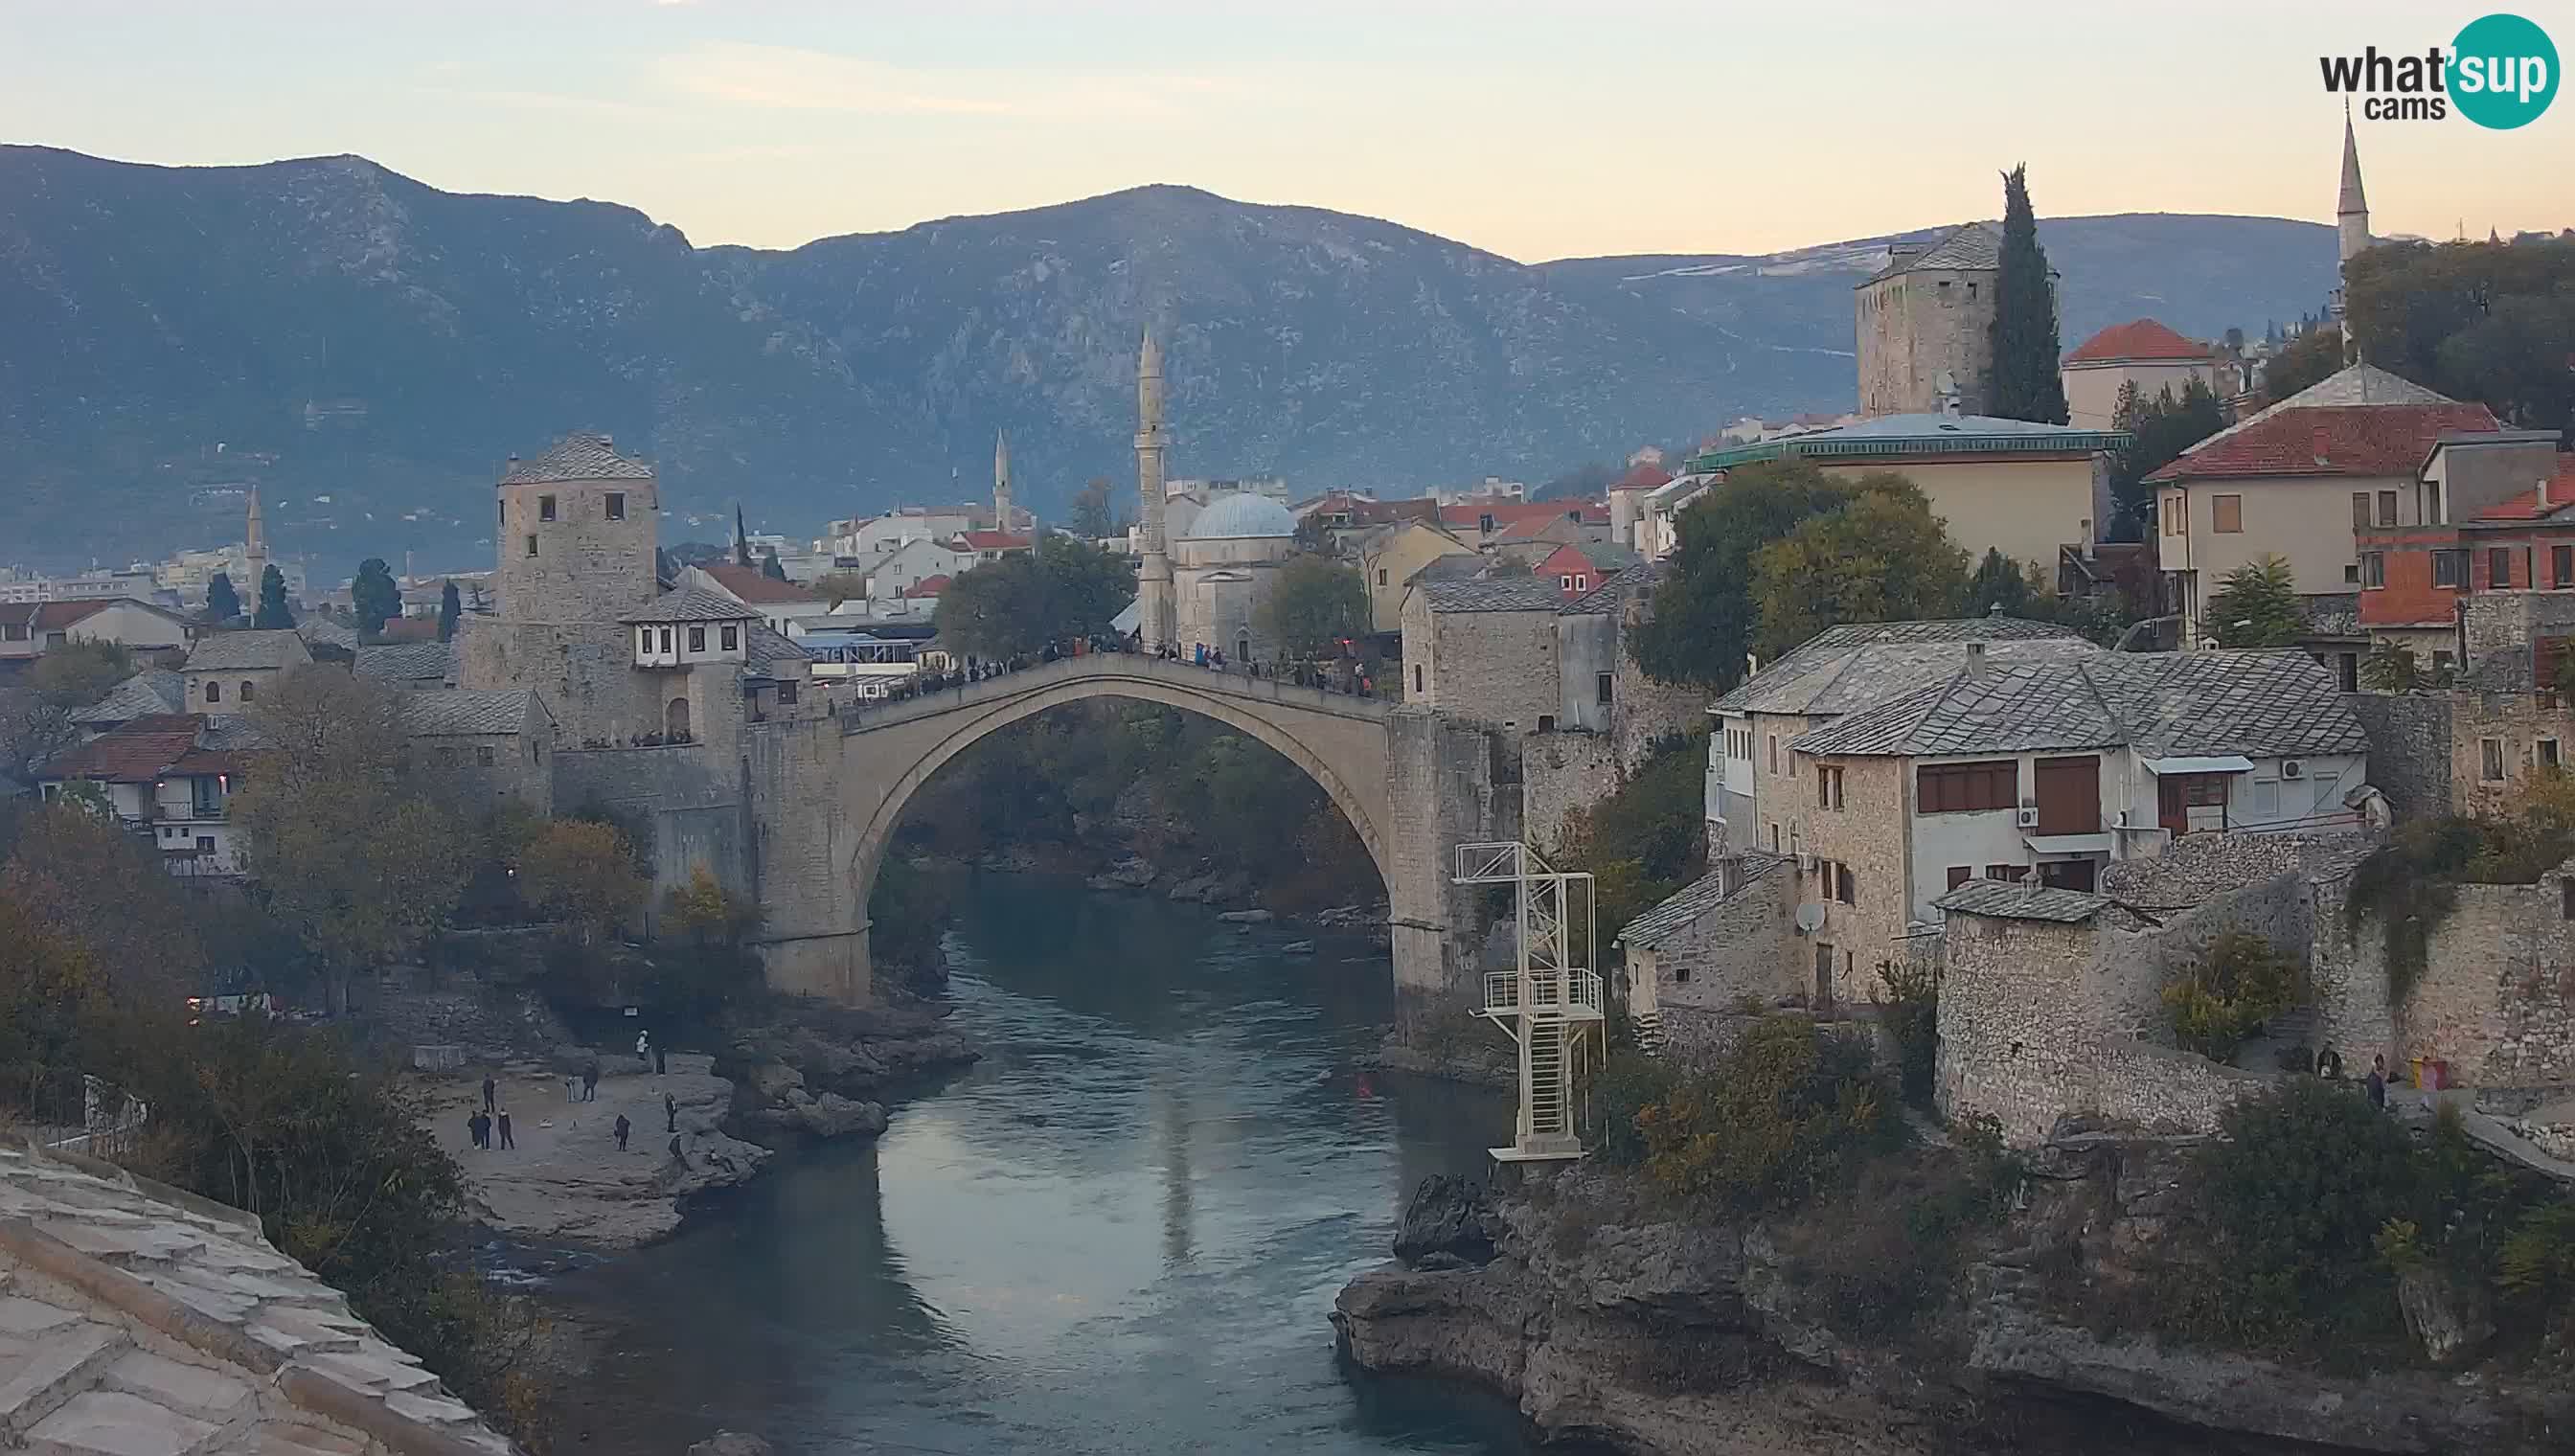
{"x":2291,"y":768}
{"x":2027,"y":819}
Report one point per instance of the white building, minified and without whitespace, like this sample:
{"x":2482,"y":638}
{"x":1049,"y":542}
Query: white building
{"x":166,"y":779}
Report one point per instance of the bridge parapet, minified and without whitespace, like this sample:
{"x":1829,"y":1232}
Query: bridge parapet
{"x":1131,"y":667}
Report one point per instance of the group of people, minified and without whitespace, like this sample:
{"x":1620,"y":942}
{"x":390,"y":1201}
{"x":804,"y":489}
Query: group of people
{"x":489,"y":1126}
{"x":490,"y":1119}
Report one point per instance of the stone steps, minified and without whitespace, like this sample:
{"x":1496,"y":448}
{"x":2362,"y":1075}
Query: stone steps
{"x":49,"y":1356}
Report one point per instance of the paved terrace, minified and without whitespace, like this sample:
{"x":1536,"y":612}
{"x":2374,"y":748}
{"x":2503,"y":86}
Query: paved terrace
{"x":137,"y":1320}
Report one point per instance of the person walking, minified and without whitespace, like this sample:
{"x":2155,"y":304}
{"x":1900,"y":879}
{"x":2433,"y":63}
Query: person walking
{"x":643,"y":1050}
{"x":504,"y":1125}
{"x":2377,"y":1083}
{"x":676,"y":1155}
{"x":480,"y":1126}
{"x":474,"y":1129}
{"x":661,"y":1060}
{"x":489,"y":1089}
{"x":623,"y":1128}
{"x":669,"y":1112}
{"x":590,"y":1080}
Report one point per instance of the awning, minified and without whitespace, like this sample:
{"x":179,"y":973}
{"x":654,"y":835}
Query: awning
{"x":2068,"y":843}
{"x":2225,"y":764}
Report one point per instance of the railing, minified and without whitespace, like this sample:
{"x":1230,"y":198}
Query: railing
{"x":71,"y":1112}
{"x":1573,"y":993}
{"x":200,"y":814}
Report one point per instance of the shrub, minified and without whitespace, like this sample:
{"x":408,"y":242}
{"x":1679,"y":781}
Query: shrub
{"x":2537,"y":1263}
{"x":2296,"y":1194}
{"x":1784,"y":1115}
{"x":1627,"y":1086}
{"x":2244,"y":983}
{"x":1910,"y":1012}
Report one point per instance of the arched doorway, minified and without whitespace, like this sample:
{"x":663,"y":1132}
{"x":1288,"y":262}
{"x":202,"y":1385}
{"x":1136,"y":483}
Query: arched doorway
{"x":675,"y":721}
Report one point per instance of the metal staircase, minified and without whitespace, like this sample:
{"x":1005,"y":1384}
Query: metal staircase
{"x":1551,"y":1003}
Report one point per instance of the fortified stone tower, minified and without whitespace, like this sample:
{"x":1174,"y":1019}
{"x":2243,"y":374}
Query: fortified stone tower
{"x":1154,"y":581}
{"x":575,"y":547}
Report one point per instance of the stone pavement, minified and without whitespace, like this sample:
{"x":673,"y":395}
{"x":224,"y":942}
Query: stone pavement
{"x":137,"y":1320}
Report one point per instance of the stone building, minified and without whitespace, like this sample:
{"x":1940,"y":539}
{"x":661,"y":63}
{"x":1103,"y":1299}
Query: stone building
{"x":1224,"y":571}
{"x":1713,"y":950}
{"x":2492,"y":513}
{"x":1484,"y":650}
{"x":1925,"y":325}
{"x":2141,"y":352}
{"x":489,"y":745}
{"x":1391,"y":556}
{"x":225,"y":671}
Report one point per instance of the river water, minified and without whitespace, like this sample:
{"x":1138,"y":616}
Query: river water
{"x":1121,"y":1232}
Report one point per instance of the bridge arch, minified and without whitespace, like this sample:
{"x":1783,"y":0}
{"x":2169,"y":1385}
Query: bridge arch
{"x":1339,"y":743}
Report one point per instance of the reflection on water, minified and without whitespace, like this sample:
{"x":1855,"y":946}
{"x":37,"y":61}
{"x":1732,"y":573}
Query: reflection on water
{"x":1122,"y":1232}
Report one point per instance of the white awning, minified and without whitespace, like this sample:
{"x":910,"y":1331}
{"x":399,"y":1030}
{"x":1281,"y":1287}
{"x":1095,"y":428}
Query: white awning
{"x":2225,"y":764}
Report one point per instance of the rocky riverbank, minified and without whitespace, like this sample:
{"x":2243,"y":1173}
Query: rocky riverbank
{"x":810,"y":1070}
{"x":1611,"y":1323}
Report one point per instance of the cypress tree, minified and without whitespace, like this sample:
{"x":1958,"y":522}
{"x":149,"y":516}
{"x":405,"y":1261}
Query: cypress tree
{"x":272,"y":615}
{"x":450,"y":608}
{"x":223,"y":604}
{"x":2026,"y":382}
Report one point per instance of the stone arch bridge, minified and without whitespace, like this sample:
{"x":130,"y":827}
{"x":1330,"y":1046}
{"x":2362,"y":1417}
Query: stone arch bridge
{"x":1412,"y":784}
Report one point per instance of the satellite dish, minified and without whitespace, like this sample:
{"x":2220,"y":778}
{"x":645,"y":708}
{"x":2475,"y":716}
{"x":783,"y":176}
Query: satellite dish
{"x":1811,"y":918}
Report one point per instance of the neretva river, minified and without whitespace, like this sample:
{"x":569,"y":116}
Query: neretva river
{"x":1122,"y":1232}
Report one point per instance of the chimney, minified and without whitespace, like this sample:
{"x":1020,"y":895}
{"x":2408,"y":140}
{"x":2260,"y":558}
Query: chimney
{"x":1976,"y":657}
{"x":2539,"y":490}
{"x":2320,"y":441}
{"x":2088,"y":537}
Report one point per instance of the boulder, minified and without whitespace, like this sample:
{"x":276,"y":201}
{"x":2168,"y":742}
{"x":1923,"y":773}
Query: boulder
{"x":833,"y":1115}
{"x":773,"y":1081}
{"x":1247,"y":918}
{"x":1446,"y":1224}
{"x":1298,"y":947}
{"x":2450,"y":1324}
{"x":731,"y":1443}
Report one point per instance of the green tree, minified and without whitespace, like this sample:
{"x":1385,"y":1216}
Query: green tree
{"x":80,"y":672}
{"x":352,"y":847}
{"x":1998,"y":586}
{"x":272,"y":615}
{"x":706,"y":914}
{"x":2165,"y":429}
{"x":1095,"y":518}
{"x":80,"y":873}
{"x":582,"y":873}
{"x":223,"y":604}
{"x":1882,"y":557}
{"x":375,"y":596}
{"x":451,"y":608}
{"x":2306,"y":360}
{"x":1315,"y":604}
{"x":839,"y":586}
{"x":1703,"y":620}
{"x":1016,"y":606}
{"x":1086,"y":586}
{"x":2390,"y":668}
{"x":771,"y":567}
{"x":2257,"y":606}
{"x":2490,"y":321}
{"x":2026,"y":348}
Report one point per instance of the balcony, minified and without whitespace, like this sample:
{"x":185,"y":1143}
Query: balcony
{"x":186,"y":813}
{"x":1572,"y":994}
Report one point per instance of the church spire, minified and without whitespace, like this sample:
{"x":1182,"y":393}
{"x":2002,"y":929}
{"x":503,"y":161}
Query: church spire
{"x":2351,"y":208}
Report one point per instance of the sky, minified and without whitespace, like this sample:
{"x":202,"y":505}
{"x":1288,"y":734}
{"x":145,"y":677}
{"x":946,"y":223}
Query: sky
{"x":1534,"y":130}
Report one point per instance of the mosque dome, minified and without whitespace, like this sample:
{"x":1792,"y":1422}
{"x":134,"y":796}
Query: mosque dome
{"x":1241,"y":515}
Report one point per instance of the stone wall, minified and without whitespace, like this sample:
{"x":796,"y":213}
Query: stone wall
{"x":2409,"y":749}
{"x":1497,"y":667}
{"x":1447,"y":782}
{"x":1739,"y":952}
{"x":2517,"y":724}
{"x":694,"y":809}
{"x":1867,"y":833}
{"x":813,"y":911}
{"x":1561,"y":772}
{"x":2495,"y":997}
{"x":584,"y":671}
{"x":1648,"y":711}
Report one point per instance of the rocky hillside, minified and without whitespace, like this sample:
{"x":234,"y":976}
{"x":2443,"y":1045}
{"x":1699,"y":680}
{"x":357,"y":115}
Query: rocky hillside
{"x":367,"y":348}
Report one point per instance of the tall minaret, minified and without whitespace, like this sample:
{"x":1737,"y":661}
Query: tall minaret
{"x":1153,"y":581}
{"x":254,"y":551}
{"x":1002,"y":512}
{"x":2351,"y":230}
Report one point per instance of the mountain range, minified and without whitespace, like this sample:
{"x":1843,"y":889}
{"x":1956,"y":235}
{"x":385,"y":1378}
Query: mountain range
{"x":368,"y":349}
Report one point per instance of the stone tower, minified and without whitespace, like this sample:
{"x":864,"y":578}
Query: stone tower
{"x":1001,"y":509}
{"x":254,"y":553}
{"x":1154,"y":581}
{"x":578,"y":527}
{"x":2352,"y":233}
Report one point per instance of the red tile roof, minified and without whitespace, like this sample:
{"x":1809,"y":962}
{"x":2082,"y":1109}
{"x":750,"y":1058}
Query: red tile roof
{"x":993,"y":541}
{"x":1645,"y":477}
{"x":50,"y":615}
{"x":748,"y":586}
{"x":929,"y":586}
{"x":2329,"y":440}
{"x":2138,"y":338}
{"x":1507,"y":514}
{"x":409,"y":629}
{"x":2526,"y":507}
{"x":139,"y":753}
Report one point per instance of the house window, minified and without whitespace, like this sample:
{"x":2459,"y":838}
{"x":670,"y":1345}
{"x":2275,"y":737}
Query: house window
{"x":2442,"y":662}
{"x":2544,"y":753}
{"x":1564,"y":583}
{"x":2566,"y":900}
{"x":2007,"y":874}
{"x":697,"y":638}
{"x":1774,"y":838}
{"x":1380,"y":576}
{"x":1846,"y":885}
{"x":2352,"y":574}
{"x":1546,"y":722}
{"x":1774,"y":753}
{"x":665,"y":640}
{"x":249,"y":689}
{"x":2360,"y":517}
{"x":2490,"y":760}
{"x":732,"y":636}
{"x":205,"y":843}
{"x":1960,"y":874}
{"x":2226,"y":513}
{"x":786,"y":695}
{"x":2499,"y":568}
{"x":1828,"y":786}
{"x":2373,"y":568}
{"x":2561,"y":567}
{"x":1581,"y":583}
{"x":214,"y":692}
{"x":2446,"y":568}
{"x":616,"y":505}
{"x":484,"y":755}
{"x":1603,"y":687}
{"x":532,"y":544}
{"x":643,"y":638}
{"x":544,"y":507}
{"x":1416,"y":676}
{"x":2266,"y":798}
{"x":2387,"y":508}
{"x":1965,"y":787}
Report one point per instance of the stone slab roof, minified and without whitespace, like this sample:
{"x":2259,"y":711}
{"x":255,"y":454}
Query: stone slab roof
{"x":1977,"y":245}
{"x":232,"y":652}
{"x":693,"y":604}
{"x":767,"y":648}
{"x":2256,"y":703}
{"x":578,"y":458}
{"x":456,"y":712}
{"x":1505,"y":594}
{"x":749,"y":583}
{"x":1696,"y":899}
{"x":2022,"y":902}
{"x":2197,"y":868}
{"x":140,"y":1319}
{"x":1616,"y":587}
{"x":1845,"y":668}
{"x":321,"y":631}
{"x":151,"y":692}
{"x":410,"y":662}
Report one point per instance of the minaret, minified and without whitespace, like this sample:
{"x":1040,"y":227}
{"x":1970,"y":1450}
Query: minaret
{"x":254,"y":553}
{"x":1154,"y":581}
{"x":2351,"y":232}
{"x":1002,"y":512}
